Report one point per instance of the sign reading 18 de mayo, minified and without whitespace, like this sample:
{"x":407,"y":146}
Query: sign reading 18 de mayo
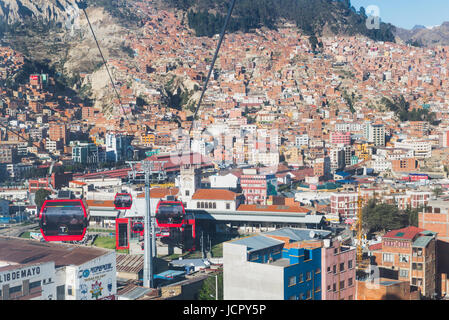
{"x":20,"y":274}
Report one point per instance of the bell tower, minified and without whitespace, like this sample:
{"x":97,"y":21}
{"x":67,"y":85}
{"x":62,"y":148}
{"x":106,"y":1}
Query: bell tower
{"x":189,"y":182}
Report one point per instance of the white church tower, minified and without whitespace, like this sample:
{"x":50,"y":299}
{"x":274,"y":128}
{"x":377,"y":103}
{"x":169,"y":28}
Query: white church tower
{"x":189,"y":182}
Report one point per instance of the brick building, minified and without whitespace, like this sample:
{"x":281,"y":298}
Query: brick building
{"x":408,"y":254}
{"x":435,"y":217}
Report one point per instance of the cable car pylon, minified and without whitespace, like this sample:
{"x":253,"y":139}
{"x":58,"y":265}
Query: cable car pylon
{"x":148,"y":168}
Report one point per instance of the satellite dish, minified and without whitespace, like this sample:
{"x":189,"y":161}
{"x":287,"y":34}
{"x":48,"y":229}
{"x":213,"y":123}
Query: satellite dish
{"x":312,"y":234}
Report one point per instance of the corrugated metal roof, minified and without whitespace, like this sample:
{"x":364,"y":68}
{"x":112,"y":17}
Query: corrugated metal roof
{"x":257,"y":242}
{"x":131,"y":263}
{"x":24,"y":251}
{"x":299,"y":234}
{"x":422,"y":241}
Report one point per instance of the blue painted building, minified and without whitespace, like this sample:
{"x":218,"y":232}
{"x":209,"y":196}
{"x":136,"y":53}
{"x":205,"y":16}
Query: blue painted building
{"x":284,"y":264}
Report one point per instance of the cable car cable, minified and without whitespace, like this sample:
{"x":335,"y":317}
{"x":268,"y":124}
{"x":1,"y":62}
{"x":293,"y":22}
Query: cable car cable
{"x":107,"y":68}
{"x":223,"y":32}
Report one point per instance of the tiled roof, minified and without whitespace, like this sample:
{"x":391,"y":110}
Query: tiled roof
{"x":404,"y":233}
{"x":214,"y":194}
{"x":100,"y":203}
{"x":272,"y":208}
{"x":377,"y":246}
{"x":158,"y":193}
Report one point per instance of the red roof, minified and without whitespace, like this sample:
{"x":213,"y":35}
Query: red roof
{"x":374,"y":247}
{"x":272,"y":208}
{"x":214,"y":194}
{"x":404,"y":233}
{"x":159,"y":193}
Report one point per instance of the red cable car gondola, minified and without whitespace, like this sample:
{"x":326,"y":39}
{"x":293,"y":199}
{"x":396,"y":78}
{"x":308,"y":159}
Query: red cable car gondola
{"x":138,"y":227}
{"x":170,"y":214}
{"x":123,"y":201}
{"x":176,"y":226}
{"x":63,"y":220}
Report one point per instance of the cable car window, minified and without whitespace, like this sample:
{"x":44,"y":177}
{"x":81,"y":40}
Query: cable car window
{"x":63,"y":220}
{"x":123,"y":201}
{"x":172,"y":213}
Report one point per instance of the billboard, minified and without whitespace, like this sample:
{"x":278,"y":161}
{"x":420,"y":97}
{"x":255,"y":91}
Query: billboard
{"x":97,"y":279}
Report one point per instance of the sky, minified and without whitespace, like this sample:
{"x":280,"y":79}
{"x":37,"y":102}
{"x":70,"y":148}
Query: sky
{"x":408,"y":13}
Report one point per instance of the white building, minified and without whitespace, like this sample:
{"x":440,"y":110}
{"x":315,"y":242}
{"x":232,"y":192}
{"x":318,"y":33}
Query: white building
{"x":421,"y":148}
{"x":302,"y":140}
{"x":58,"y":271}
{"x":228,"y":181}
{"x":214,"y":200}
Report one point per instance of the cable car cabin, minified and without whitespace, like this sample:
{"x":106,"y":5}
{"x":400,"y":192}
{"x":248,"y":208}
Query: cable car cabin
{"x":123,"y":201}
{"x":180,"y":237}
{"x":138,"y":227}
{"x":170,"y":214}
{"x":63,"y":220}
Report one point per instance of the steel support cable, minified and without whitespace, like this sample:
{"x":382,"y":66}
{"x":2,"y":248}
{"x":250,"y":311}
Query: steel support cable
{"x":107,"y":68}
{"x":222,"y":34}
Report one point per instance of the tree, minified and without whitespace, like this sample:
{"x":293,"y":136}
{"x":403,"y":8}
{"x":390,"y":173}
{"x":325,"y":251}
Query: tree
{"x":40,"y":197}
{"x":208,"y":290}
{"x":412,"y":215}
{"x":382,"y":217}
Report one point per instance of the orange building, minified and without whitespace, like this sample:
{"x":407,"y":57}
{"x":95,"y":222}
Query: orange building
{"x":404,"y":165}
{"x":408,"y":254}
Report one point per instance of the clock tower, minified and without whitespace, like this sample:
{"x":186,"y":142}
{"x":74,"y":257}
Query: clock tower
{"x":189,"y":182}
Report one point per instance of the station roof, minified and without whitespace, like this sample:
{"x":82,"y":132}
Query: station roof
{"x":23,"y":251}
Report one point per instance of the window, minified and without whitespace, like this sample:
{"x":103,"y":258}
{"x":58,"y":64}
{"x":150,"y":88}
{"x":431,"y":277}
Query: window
{"x":309,"y":275}
{"x":318,"y":270}
{"x":342,"y":266}
{"x":197,"y":205}
{"x":306,"y":254}
{"x":328,"y":288}
{"x":292,"y":281}
{"x":309,"y":294}
{"x":206,"y":205}
{"x":417,"y":266}
{"x":328,"y":269}
{"x":351,"y":297}
{"x":334,"y":287}
{"x":35,"y":284}
{"x":69,"y":290}
{"x":342,"y":284}
{"x":403,"y":273}
{"x":301,"y":278}
{"x":350,"y":264}
{"x":349,"y":282}
{"x":404,"y":258}
{"x":187,"y":193}
{"x":15,"y":289}
{"x":301,"y":296}
{"x":228,"y":206}
{"x":388,"y":257}
{"x":335,"y":268}
{"x":214,"y":205}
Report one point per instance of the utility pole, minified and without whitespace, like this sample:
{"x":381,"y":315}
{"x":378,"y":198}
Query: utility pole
{"x":148,"y":235}
{"x":147,"y":169}
{"x":216,"y":286}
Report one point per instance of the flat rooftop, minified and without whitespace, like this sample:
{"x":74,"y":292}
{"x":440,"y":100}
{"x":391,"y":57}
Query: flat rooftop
{"x":25,"y":251}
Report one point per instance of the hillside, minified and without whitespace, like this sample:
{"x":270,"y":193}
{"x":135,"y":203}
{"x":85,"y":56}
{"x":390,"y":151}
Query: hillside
{"x":313,"y":17}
